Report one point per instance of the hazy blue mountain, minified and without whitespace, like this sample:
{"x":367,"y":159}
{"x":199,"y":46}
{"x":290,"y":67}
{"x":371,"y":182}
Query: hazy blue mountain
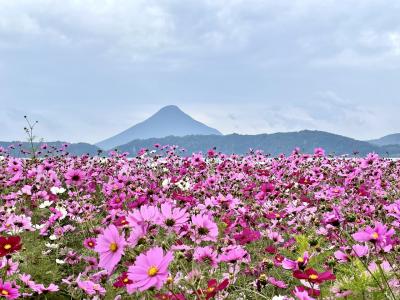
{"x":273,"y":144}
{"x":22,"y":149}
{"x":169,"y":120}
{"x":391,"y":139}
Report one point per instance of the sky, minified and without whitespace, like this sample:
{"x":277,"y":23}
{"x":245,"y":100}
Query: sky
{"x":87,"y":70}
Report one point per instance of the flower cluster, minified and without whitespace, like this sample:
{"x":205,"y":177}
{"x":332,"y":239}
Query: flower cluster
{"x":167,"y":225}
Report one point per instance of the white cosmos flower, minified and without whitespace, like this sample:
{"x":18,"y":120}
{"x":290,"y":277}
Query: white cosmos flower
{"x":63,"y":212}
{"x":56,"y":190}
{"x":45,"y":204}
{"x":60,"y":261}
{"x":166,"y":182}
{"x":51,"y":246}
{"x":53,"y":237}
{"x":38,"y":226}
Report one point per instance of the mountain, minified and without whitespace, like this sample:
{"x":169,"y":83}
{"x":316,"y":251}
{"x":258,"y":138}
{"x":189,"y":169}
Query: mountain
{"x":19,"y":149}
{"x":273,"y":144}
{"x":168,"y":121}
{"x":391,"y":139}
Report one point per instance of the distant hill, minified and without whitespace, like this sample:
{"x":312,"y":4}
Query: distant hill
{"x":14,"y":148}
{"x":273,"y":144}
{"x":168,"y":121}
{"x":391,"y":139}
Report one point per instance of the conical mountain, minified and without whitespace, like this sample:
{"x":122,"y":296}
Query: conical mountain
{"x":169,"y":120}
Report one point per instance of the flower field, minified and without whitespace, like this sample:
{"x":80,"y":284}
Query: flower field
{"x":212,"y":226}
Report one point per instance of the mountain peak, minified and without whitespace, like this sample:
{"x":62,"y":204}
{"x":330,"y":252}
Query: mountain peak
{"x":168,"y":121}
{"x":173,"y":108}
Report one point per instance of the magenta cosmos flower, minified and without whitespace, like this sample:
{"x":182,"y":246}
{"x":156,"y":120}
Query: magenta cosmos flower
{"x":150,"y":270}
{"x":7,"y":291}
{"x":110,"y":246}
{"x":74,"y":176}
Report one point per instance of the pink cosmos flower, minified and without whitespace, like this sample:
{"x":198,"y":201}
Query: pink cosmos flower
{"x":206,"y":255}
{"x":74,"y":176}
{"x":89,"y":243}
{"x":144,"y":216}
{"x":150,"y":270}
{"x":278,"y":283}
{"x":173,"y":218}
{"x":359,"y":251}
{"x":379,"y":235}
{"x":299,"y":263}
{"x":204,"y":229}
{"x":302,"y":295}
{"x":234,"y":254}
{"x":90,"y":287}
{"x":110,"y":246}
{"x":10,"y":266}
{"x":8,"y":291}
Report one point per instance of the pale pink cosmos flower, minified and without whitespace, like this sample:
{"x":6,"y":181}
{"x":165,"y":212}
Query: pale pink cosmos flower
{"x":173,"y":217}
{"x":204,"y":229}
{"x":150,"y":270}
{"x":90,"y":287}
{"x":205,"y":255}
{"x":144,"y":216}
{"x":10,"y":266}
{"x":110,"y":246}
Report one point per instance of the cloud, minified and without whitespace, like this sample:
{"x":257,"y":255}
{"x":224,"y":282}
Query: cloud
{"x":177,"y":33}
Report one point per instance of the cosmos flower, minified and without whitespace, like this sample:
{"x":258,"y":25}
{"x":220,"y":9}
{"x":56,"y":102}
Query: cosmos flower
{"x":205,"y":255}
{"x":89,"y":243}
{"x":379,"y":235}
{"x":150,"y":270}
{"x":9,"y":245}
{"x":74,"y":176}
{"x":144,"y":216}
{"x":173,"y":217}
{"x":299,"y":263}
{"x":110,"y":246}
{"x":313,"y":276}
{"x":8,"y":291}
{"x":213,"y":287}
{"x":203,"y":229}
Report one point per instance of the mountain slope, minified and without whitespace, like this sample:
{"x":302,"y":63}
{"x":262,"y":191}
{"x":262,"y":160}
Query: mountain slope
{"x":273,"y":144}
{"x":169,"y":120}
{"x":391,"y":139}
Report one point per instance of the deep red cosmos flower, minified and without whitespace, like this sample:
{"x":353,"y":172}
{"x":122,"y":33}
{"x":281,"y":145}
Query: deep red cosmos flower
{"x":122,"y":280}
{"x":213,"y":288}
{"x":9,"y":245}
{"x":313,"y":276}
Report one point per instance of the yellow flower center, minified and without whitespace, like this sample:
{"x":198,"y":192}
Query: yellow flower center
{"x":313,"y":276}
{"x":125,"y":280}
{"x":113,"y":247}
{"x":300,"y":260}
{"x":7,"y":246}
{"x":4,"y":292}
{"x":375,"y":235}
{"x":152,"y":271}
{"x":210,"y":289}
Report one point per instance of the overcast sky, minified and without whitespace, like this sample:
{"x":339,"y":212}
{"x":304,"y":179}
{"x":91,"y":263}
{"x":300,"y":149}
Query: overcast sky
{"x":89,"y":69}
